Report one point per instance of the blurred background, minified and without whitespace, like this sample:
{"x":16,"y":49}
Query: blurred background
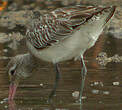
{"x":103,"y":87}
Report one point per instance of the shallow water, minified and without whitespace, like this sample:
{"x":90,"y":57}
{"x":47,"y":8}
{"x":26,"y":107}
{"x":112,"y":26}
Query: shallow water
{"x":103,"y":85}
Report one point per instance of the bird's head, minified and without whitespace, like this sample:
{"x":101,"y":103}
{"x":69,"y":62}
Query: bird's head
{"x":18,"y":68}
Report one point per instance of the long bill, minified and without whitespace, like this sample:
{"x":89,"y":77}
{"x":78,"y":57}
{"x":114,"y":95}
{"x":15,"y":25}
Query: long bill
{"x":12,"y":90}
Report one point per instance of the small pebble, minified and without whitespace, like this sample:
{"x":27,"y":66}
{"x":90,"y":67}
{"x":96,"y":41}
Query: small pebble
{"x":106,"y":92}
{"x":101,"y":83}
{"x":75,"y":94}
{"x":41,"y":84}
{"x":95,"y":91}
{"x":84,"y":97}
{"x":5,"y":106}
{"x":5,"y":50}
{"x":9,"y":34}
{"x":115,"y":83}
{"x":5,"y":99}
{"x":96,"y":83}
{"x":91,"y":84}
{"x":1,"y":102}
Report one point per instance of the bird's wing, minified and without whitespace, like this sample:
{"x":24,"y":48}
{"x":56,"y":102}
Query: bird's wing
{"x":59,"y":24}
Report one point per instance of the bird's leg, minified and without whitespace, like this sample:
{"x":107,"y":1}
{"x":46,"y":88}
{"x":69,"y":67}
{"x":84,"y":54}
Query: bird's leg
{"x":83,"y":74}
{"x":56,"y":82}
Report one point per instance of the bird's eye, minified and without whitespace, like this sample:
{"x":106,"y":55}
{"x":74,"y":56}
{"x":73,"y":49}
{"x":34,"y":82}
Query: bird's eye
{"x":12,"y":72}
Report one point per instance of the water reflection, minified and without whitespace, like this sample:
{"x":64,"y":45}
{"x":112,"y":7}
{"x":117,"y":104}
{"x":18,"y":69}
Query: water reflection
{"x":12,"y":105}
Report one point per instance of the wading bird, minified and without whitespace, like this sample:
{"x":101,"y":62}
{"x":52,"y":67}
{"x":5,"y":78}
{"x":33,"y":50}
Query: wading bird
{"x":60,"y":35}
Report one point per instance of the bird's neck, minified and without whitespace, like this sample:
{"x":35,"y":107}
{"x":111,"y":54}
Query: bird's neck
{"x":30,"y":64}
{"x":33,"y":61}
